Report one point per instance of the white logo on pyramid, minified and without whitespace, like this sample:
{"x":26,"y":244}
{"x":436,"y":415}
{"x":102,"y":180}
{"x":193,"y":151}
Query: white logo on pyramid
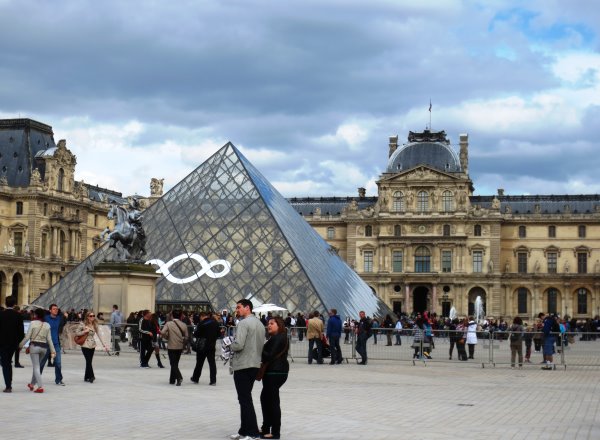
{"x":206,"y":268}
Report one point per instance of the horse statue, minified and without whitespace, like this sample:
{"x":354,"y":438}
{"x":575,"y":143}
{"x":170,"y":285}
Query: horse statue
{"x":128,"y":232}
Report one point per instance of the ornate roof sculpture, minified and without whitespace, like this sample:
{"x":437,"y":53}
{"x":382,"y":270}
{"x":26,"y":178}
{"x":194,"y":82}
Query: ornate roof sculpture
{"x":224,"y":233}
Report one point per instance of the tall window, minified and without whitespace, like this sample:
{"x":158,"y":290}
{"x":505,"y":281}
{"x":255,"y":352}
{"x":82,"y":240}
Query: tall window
{"x":522,"y":262}
{"x":43,"y":245}
{"x":19,"y":208}
{"x":478,"y":261}
{"x":477,"y":231}
{"x":397,"y":230}
{"x":552,"y":301}
{"x":18,"y":236}
{"x":522,"y":232}
{"x":422,"y":259}
{"x":447,"y":201}
{"x":61,"y":178}
{"x":397,"y":261}
{"x":95,"y":219}
{"x":398,"y":202}
{"x":522,"y":300}
{"x":552,"y":262}
{"x":423,"y":201}
{"x":581,"y":231}
{"x":62,"y":244}
{"x":330,"y":233}
{"x":446,"y":230}
{"x":368,"y":261}
{"x":581,"y":262}
{"x":447,"y":261}
{"x":45,"y":209}
{"x":552,"y":231}
{"x":582,"y":295}
{"x":368,"y":231}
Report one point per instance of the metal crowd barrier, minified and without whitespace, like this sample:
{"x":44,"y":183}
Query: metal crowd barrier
{"x":491,"y":349}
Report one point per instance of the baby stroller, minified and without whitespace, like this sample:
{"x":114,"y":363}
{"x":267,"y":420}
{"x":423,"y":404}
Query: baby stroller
{"x":326,"y":350}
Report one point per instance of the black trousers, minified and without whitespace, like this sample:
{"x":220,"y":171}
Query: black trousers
{"x":212,"y":365}
{"x":88,"y":354}
{"x":269,"y":402}
{"x":244,"y":382}
{"x":174,"y":356}
{"x":146,"y":350}
{"x":6,"y":354}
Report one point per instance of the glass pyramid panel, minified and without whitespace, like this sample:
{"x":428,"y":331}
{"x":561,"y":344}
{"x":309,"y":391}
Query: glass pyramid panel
{"x":226,"y":210}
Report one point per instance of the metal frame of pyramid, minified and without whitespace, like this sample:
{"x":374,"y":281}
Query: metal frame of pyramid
{"x":227,"y":210}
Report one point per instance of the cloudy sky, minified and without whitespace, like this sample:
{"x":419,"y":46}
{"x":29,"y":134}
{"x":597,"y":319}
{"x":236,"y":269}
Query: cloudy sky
{"x":309,"y":90}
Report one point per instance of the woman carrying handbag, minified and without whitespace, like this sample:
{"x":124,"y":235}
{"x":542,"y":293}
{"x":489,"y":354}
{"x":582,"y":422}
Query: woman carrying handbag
{"x":274,"y":373}
{"x":40,"y":340}
{"x":89,"y":328}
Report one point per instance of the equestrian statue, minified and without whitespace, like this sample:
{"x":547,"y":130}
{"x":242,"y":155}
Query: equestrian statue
{"x":128,"y":233}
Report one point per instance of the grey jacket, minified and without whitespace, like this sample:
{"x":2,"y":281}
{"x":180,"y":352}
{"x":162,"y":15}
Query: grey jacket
{"x":176,"y":334}
{"x":248,"y":343}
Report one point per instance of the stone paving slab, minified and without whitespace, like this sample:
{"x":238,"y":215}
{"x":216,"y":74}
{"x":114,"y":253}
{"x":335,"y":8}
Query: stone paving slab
{"x":383,"y":400}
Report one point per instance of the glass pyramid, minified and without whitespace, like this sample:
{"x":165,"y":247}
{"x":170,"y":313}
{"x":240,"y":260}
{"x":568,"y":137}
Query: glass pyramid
{"x":227,"y":210}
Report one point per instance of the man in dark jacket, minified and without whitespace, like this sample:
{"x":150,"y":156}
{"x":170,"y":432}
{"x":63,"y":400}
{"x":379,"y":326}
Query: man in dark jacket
{"x":11,"y":333}
{"x":147,"y":337}
{"x":334,"y":332}
{"x":363,"y":332}
{"x":207,"y":329}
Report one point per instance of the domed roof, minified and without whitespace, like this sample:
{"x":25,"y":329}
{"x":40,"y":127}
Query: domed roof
{"x":436,"y":154}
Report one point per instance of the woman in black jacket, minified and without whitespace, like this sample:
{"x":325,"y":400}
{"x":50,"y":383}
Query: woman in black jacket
{"x":274,"y":356}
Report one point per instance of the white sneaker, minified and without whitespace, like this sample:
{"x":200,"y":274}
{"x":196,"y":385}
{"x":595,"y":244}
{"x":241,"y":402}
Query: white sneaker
{"x":247,"y":437}
{"x":235,"y":437}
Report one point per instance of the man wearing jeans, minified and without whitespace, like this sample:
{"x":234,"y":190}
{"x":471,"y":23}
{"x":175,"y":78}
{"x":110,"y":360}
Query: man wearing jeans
{"x":334,"y":332}
{"x":56,"y":322}
{"x":247,"y":348}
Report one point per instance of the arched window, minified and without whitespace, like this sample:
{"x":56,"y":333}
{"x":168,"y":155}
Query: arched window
{"x":397,"y":230}
{"x":447,"y":201}
{"x":398,"y":202}
{"x":522,"y":232}
{"x":423,"y":201}
{"x":477,"y":231}
{"x":368,"y":231}
{"x":330,"y":233}
{"x":61,"y":178}
{"x":582,"y":297}
{"x":422,"y":259}
{"x":446,"y":230}
{"x":552,"y":300}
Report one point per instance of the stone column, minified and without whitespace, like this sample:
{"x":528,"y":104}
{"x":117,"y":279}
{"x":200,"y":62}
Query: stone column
{"x":54,"y":246}
{"x":434,"y":299}
{"x":406,"y":297}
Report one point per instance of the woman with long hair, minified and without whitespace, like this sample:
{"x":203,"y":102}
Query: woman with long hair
{"x":88,"y":327}
{"x":155,"y":341}
{"x":40,"y":340}
{"x":276,"y":368}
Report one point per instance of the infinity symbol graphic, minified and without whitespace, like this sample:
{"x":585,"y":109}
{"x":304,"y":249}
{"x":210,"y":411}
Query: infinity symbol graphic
{"x":206,"y":268}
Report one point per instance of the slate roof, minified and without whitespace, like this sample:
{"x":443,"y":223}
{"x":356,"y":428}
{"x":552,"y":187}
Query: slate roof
{"x":20,"y":141}
{"x":329,"y":205}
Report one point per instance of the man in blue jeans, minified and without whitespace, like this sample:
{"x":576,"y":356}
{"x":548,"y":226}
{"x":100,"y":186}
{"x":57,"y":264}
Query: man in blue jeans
{"x":56,"y":322}
{"x":334,"y":332}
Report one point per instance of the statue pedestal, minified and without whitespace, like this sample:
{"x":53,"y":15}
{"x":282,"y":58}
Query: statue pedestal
{"x":131,"y":286}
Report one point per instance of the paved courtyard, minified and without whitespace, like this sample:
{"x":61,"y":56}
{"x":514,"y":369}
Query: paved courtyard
{"x":384,"y":400}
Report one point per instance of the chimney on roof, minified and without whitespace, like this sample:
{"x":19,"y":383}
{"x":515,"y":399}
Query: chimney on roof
{"x":464,"y":152}
{"x":500,"y":192}
{"x":393,"y":144}
{"x":362,"y":193}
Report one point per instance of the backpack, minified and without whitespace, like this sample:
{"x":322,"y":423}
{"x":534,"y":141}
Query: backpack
{"x":515,"y":335}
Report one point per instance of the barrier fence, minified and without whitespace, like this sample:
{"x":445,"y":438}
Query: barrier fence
{"x":443,"y":346}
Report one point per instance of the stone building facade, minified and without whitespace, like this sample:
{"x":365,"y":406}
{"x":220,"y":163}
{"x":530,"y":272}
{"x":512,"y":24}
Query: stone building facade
{"x":49,"y":222}
{"x":427,"y":243}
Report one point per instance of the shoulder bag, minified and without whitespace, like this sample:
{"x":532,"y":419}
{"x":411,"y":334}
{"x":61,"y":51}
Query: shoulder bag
{"x":264,"y":365}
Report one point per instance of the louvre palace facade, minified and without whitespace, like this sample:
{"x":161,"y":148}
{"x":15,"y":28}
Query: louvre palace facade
{"x":48,"y":221}
{"x":427,"y":243}
{"x":424,"y":243}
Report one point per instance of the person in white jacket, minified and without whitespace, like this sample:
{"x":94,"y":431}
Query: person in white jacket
{"x":398,"y":331}
{"x":472,"y":337}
